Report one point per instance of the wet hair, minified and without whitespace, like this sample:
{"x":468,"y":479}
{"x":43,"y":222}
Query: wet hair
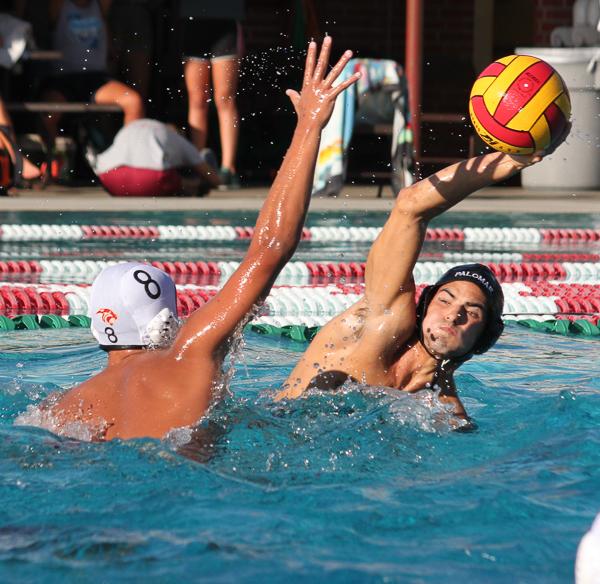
{"x":483,"y":277}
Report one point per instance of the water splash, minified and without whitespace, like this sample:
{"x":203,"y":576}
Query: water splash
{"x":41,"y":416}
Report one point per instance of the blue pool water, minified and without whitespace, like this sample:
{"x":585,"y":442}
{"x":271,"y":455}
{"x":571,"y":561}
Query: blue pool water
{"x":351,"y":487}
{"x":357,"y":486}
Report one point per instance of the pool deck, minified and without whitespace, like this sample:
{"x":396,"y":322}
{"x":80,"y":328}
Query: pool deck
{"x":352,"y":198}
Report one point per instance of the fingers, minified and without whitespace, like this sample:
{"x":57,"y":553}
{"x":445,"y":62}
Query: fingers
{"x":310,"y":62}
{"x":294,"y":98}
{"x":566,"y":131}
{"x":323,"y":59}
{"x":339,"y":88}
{"x":339,"y":67}
{"x":556,"y":143}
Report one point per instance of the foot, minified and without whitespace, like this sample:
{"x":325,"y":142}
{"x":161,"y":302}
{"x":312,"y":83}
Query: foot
{"x":30,"y":170}
{"x":32,"y":177}
{"x":230,"y":181}
{"x":207,"y":168}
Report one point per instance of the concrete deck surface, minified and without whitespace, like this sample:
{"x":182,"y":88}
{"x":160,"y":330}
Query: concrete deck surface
{"x":357,"y":198}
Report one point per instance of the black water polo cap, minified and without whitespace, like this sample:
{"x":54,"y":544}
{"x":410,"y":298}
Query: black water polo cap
{"x":483,"y":277}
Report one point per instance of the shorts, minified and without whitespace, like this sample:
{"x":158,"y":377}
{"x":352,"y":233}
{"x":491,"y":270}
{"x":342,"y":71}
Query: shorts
{"x":211,"y":39}
{"x":127,"y":181}
{"x":77,"y":87}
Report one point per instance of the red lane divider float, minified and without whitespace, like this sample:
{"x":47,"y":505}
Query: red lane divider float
{"x":28,"y":300}
{"x":45,"y":232}
{"x":561,"y":257}
{"x":562,"y":300}
{"x":119,"y":232}
{"x":201,"y":272}
{"x":570,"y":234}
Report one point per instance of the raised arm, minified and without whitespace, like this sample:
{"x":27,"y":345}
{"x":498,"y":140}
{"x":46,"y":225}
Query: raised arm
{"x":279,"y":224}
{"x":394,"y":253}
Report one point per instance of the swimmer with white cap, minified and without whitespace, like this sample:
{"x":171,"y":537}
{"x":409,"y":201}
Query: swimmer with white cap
{"x":384,"y":339}
{"x":159,"y":377}
{"x":587,"y":563}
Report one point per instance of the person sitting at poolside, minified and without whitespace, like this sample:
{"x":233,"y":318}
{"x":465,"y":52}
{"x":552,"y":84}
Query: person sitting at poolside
{"x":22,"y":171}
{"x":145,"y":160}
{"x":146,"y":393}
{"x":383,"y":339}
{"x":80,"y":34}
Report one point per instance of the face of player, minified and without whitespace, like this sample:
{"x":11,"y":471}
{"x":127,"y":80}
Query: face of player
{"x":455,"y":318}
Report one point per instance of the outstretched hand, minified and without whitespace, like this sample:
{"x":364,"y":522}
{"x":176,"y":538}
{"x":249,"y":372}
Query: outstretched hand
{"x":524,"y":161}
{"x":314,"y":104}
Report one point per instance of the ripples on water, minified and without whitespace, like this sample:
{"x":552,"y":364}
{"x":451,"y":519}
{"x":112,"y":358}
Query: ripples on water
{"x":353,"y":486}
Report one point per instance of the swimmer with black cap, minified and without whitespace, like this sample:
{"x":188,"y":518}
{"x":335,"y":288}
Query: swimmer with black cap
{"x":147,"y":393}
{"x":384,"y":339}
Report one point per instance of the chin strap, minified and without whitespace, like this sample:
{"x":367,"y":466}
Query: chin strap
{"x":110,"y":348}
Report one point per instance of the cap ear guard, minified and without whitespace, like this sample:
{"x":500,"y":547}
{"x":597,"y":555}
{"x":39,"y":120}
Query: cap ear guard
{"x":161,"y":330}
{"x":488,"y":338}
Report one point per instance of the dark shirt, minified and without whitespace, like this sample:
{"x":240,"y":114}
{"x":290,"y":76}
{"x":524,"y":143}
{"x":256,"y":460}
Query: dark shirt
{"x":209,"y":9}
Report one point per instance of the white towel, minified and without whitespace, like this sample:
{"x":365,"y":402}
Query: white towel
{"x":584,"y":36}
{"x":330,"y":170}
{"x":16,"y":35}
{"x":561,"y":37}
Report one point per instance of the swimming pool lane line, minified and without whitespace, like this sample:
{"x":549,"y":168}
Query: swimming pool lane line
{"x":297,"y":272}
{"x":538,"y":300}
{"x":65,"y":232}
{"x":289,"y":328}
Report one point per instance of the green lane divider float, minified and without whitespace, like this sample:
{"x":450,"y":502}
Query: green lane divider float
{"x":296,"y":332}
{"x":80,"y":321}
{"x":6,"y":324}
{"x":582,"y":328}
{"x":45,"y":321}
{"x":26,"y":322}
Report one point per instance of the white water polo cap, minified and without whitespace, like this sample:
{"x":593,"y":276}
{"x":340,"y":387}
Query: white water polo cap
{"x":587,"y":563}
{"x":133,"y":305}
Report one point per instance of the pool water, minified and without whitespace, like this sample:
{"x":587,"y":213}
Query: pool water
{"x":361,"y":485}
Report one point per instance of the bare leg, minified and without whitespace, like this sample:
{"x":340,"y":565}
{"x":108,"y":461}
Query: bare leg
{"x":4,"y":117}
{"x":123,"y":95}
{"x":197,"y":82}
{"x":225,"y":82}
{"x":30,"y":170}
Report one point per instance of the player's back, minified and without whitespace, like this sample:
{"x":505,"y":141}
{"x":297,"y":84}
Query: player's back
{"x":141,"y":394}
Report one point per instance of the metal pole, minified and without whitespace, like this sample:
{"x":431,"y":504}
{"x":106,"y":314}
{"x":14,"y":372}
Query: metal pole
{"x":414,"y":67}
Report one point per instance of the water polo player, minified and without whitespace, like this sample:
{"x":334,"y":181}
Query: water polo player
{"x":146,"y":393}
{"x":384,"y":339}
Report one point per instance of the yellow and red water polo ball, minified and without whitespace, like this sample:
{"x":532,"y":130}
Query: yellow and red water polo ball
{"x":519,"y":105}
